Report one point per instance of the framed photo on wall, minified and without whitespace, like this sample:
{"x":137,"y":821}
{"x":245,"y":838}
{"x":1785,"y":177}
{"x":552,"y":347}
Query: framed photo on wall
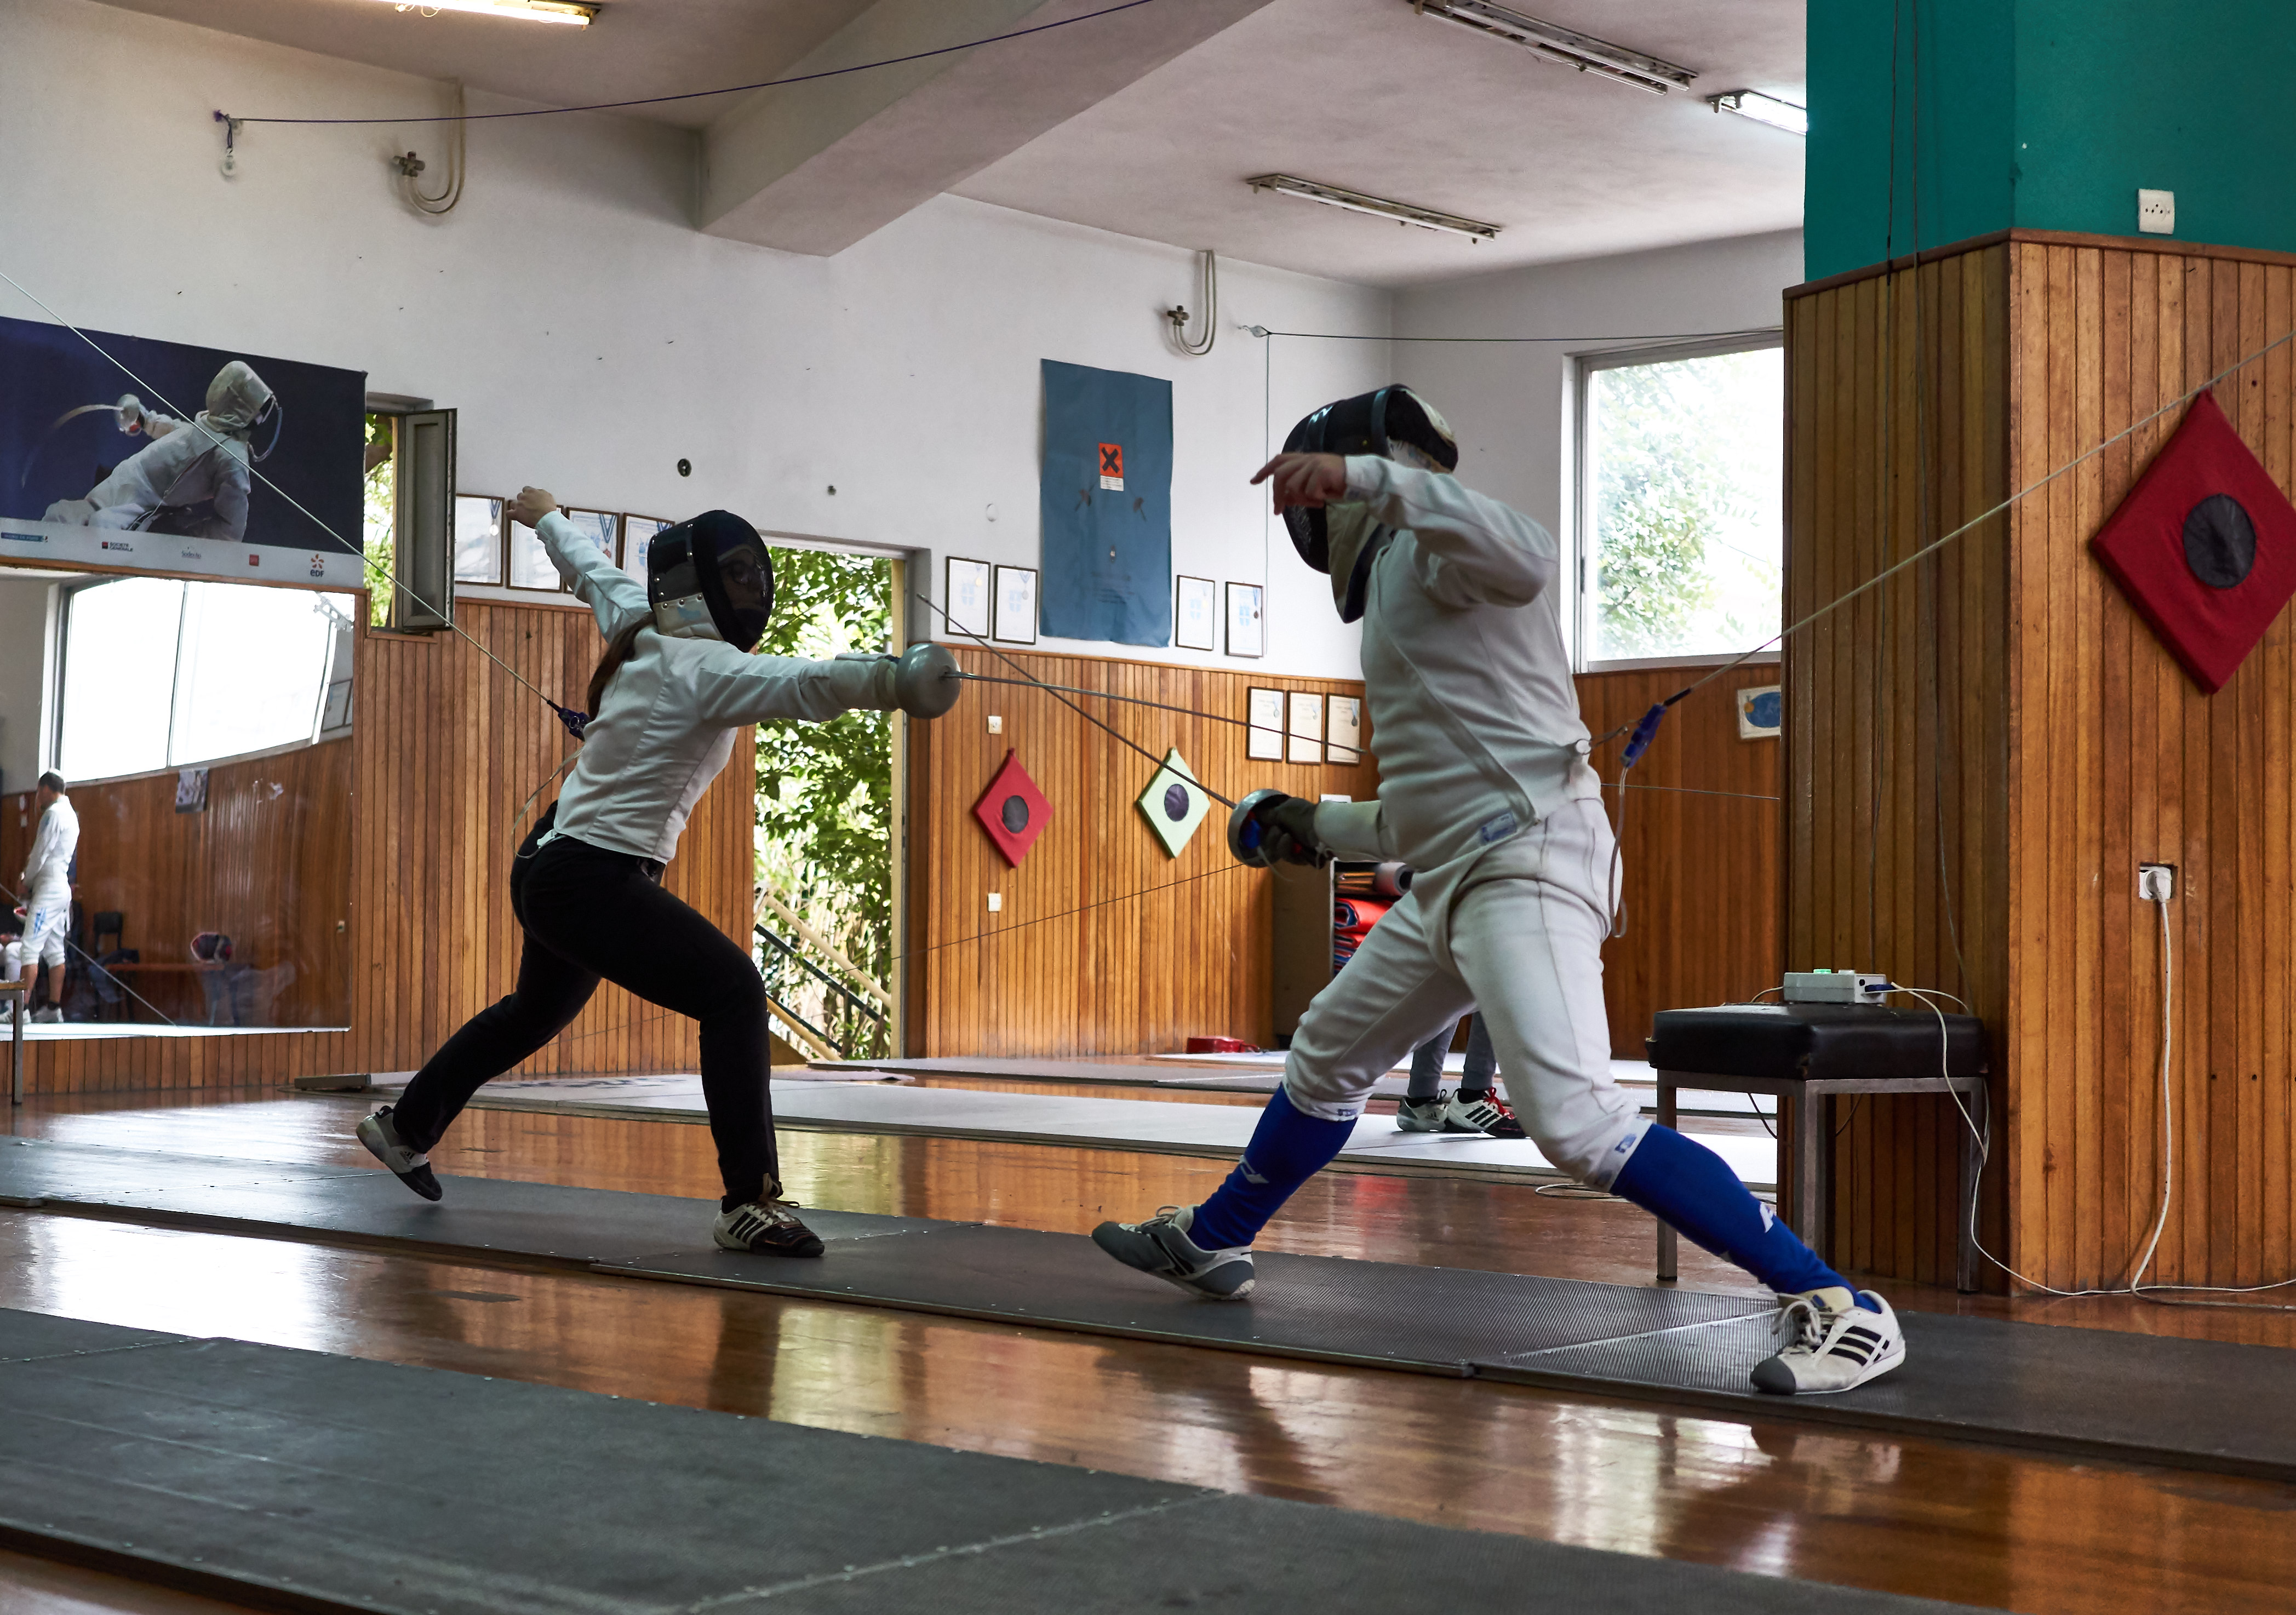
{"x":1263,"y":739}
{"x":1306,"y":729}
{"x":1195,"y":614}
{"x":1016,"y":604}
{"x":965,"y":597}
{"x":1247,"y":626}
{"x":638,"y":534}
{"x":1343,"y":730}
{"x":477,"y":539}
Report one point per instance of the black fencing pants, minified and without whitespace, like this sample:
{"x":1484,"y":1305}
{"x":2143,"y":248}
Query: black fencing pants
{"x":590,"y":913}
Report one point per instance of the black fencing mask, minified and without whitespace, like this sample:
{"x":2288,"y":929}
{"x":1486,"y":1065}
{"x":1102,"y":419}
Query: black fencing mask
{"x":1339,"y":541}
{"x":711,"y":578}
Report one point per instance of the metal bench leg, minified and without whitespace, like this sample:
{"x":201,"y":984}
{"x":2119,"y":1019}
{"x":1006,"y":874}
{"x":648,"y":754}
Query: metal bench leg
{"x":1665,"y":1228}
{"x":1973,"y":1163}
{"x":1805,"y":1209}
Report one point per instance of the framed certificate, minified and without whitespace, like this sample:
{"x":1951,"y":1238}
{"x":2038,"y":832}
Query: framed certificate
{"x":1247,"y":628}
{"x":1264,"y":715}
{"x":638,"y":534}
{"x":1343,"y":729}
{"x":964,"y":596}
{"x":1195,"y":614}
{"x":1016,"y":604}
{"x":477,"y":539}
{"x":1305,"y":730}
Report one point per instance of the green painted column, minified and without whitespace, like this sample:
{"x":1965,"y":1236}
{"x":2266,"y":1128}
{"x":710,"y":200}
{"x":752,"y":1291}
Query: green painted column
{"x":1931,"y":121}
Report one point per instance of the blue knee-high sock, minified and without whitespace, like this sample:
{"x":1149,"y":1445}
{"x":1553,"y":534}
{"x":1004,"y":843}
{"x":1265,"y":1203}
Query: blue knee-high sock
{"x":1691,"y":1186}
{"x":1287,"y":1149}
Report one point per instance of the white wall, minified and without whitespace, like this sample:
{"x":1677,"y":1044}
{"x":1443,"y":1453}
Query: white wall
{"x":1511,"y":404}
{"x":591,"y":337}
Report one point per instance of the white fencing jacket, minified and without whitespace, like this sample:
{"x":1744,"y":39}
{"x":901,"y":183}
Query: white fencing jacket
{"x":187,"y":465}
{"x":47,"y":869}
{"x":1474,"y":717}
{"x":666,"y":725}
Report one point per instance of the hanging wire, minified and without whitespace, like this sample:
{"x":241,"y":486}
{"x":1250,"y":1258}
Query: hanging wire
{"x":1209,"y":303}
{"x":731,"y":89}
{"x":410,"y":167}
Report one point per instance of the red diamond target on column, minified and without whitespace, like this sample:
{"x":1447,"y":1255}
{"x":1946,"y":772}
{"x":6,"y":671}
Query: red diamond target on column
{"x":1012,"y":810}
{"x":2204,"y":546}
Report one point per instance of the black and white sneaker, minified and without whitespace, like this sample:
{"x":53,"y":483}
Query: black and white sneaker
{"x":380,"y":1135}
{"x":764,"y":1228}
{"x":1485,"y":1113}
{"x":1832,"y":1343}
{"x":1161,"y":1246}
{"x":1422,"y":1115}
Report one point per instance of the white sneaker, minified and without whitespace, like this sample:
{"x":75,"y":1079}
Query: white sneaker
{"x":1422,"y":1115}
{"x":1832,"y":1343}
{"x":51,"y":1014}
{"x":766,"y":1228}
{"x":1162,"y":1246}
{"x":1485,"y":1114}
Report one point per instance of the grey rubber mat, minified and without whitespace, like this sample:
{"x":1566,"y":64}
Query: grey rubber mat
{"x":2188,"y":1404}
{"x":2192,"y":1403}
{"x":537,"y":1221}
{"x":1319,"y":1307}
{"x":289,"y":1477}
{"x":27,"y":1335}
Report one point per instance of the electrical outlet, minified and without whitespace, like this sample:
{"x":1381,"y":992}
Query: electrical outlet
{"x":2156,"y":212}
{"x":996,"y":724}
{"x":996,"y":902}
{"x":2156,"y":883}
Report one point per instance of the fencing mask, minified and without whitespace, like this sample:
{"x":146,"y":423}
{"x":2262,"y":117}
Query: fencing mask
{"x":238,"y":401}
{"x":1341,"y":539}
{"x":711,"y":578}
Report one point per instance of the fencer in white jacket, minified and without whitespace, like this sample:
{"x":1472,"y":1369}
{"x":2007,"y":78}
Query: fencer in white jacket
{"x":1487,"y":791}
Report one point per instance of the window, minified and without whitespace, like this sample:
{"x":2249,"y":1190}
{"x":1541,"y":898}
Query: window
{"x":159,"y":674}
{"x":1681,"y":504}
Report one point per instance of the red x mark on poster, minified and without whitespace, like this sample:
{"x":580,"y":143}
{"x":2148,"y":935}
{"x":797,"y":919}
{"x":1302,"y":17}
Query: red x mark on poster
{"x":1112,"y":459}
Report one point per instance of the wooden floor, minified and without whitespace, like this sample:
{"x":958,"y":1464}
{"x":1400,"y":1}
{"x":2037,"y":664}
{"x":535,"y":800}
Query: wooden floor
{"x":1987,"y":1527}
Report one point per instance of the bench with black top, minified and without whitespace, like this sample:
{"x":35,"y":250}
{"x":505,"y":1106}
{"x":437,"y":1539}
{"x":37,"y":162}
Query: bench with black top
{"x":1810,"y":1052}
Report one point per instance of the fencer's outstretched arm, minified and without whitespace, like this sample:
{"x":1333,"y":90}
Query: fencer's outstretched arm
{"x":1486,"y":553}
{"x":617,"y":598}
{"x":1356,"y":830}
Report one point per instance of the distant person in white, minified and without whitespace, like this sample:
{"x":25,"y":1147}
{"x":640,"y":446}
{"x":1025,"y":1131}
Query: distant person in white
{"x":204,"y":459}
{"x":46,"y":910}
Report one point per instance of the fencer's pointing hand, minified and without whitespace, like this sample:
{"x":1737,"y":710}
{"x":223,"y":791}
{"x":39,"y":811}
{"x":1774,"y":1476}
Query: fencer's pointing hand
{"x":531,"y":505}
{"x":1306,"y":480}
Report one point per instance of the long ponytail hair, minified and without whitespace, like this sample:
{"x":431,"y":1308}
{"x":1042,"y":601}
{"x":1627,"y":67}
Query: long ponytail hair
{"x":619,"y":650}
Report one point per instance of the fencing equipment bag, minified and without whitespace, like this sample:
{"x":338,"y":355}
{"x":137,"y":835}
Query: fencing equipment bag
{"x":711,"y":578}
{"x":1341,"y":540}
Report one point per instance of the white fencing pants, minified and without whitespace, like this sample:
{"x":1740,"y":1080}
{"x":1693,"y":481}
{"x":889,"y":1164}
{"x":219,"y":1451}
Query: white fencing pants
{"x":1516,"y":932}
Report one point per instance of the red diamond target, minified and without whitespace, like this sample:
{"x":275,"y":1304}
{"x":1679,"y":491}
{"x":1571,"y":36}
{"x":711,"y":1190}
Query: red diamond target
{"x":2204,"y":546}
{"x":1012,"y":810}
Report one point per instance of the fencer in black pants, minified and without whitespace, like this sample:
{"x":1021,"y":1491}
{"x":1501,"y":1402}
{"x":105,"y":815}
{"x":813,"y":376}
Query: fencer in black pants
{"x":654,"y":946}
{"x":676,"y":684}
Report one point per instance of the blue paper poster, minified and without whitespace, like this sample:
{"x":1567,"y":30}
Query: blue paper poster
{"x":1106,"y":506}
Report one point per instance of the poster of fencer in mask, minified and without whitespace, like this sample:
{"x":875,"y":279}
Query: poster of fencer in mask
{"x":206,"y":447}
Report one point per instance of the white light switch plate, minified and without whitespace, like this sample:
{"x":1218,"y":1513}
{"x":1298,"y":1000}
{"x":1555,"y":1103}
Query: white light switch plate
{"x":996,"y":724}
{"x":2156,"y":212}
{"x":996,"y":902}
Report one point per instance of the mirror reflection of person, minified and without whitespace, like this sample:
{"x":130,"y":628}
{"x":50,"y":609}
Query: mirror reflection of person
{"x":203,"y":462}
{"x":46,"y":887}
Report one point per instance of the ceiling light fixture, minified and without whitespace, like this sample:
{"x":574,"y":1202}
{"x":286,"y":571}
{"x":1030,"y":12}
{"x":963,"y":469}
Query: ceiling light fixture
{"x":1378,"y":207}
{"x":1561,"y":45}
{"x":574,"y":14}
{"x":1763,"y":108}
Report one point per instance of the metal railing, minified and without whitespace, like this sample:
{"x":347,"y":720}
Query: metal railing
{"x":784,"y":968}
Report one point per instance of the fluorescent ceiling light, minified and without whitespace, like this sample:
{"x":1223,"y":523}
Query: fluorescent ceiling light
{"x":1378,"y":207}
{"x":1763,"y":108}
{"x":573,"y":12}
{"x":1572,"y":49}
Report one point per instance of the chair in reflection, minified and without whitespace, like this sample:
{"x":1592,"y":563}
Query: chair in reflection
{"x":109,"y":930}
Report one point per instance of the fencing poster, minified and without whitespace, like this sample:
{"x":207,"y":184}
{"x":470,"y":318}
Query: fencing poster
{"x":1106,"y":505}
{"x":198,"y":450}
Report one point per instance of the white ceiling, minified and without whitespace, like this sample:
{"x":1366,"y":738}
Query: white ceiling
{"x":1366,"y":94}
{"x":1362,"y":93}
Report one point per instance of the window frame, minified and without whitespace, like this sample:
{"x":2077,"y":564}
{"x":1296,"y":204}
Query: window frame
{"x":1579,"y":620}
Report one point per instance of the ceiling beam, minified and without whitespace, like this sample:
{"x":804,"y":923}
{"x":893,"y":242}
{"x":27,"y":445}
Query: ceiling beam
{"x":813,"y":168}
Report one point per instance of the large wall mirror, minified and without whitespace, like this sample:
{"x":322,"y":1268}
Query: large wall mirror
{"x":202,"y":734}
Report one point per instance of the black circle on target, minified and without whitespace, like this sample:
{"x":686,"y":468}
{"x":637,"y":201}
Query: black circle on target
{"x":1015,"y":814}
{"x":2219,"y":542}
{"x":1176,"y":802}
